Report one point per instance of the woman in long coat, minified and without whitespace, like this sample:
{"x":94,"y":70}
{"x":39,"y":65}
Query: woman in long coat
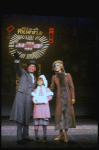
{"x":64,"y":113}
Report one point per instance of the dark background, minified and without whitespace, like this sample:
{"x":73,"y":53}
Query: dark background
{"x":75,"y":43}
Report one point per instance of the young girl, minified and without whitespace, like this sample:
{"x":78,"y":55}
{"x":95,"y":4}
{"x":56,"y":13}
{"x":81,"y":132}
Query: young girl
{"x":41,"y":96}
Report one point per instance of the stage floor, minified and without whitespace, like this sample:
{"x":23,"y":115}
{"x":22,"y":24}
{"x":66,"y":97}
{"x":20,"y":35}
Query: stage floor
{"x":85,"y":135}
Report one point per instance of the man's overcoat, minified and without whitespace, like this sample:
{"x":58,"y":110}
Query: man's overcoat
{"x":21,"y":110}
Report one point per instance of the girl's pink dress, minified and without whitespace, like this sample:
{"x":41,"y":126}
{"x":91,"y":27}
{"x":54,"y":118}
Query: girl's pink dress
{"x":42,"y":110}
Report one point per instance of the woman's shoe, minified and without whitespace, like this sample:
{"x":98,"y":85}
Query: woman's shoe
{"x":66,"y":141}
{"x":65,"y":137}
{"x":58,"y":138}
{"x":37,"y":139}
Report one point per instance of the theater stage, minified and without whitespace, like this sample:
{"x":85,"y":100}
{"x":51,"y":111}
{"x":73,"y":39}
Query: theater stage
{"x":85,"y":135}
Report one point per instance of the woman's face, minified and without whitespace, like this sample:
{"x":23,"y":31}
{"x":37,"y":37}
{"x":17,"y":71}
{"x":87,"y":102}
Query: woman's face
{"x":57,"y":67}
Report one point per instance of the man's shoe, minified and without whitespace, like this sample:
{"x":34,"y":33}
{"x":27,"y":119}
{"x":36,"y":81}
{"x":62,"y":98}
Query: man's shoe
{"x":20,"y":142}
{"x":29,"y":140}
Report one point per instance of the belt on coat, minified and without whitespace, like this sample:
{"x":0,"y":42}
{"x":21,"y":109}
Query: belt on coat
{"x":40,"y":104}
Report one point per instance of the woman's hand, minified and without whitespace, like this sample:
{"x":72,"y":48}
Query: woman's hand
{"x":73,"y":101}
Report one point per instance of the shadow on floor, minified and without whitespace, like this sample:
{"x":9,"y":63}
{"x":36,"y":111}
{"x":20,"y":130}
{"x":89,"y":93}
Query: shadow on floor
{"x":75,"y":141}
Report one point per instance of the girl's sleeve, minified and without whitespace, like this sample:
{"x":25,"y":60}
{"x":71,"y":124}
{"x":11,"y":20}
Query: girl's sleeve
{"x":33,"y":93}
{"x":50,"y":94}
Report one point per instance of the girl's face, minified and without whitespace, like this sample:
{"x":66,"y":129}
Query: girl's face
{"x":57,"y":67}
{"x":40,"y":82}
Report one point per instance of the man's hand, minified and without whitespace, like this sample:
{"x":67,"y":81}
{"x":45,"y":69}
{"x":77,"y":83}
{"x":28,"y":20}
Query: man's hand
{"x":16,"y":55}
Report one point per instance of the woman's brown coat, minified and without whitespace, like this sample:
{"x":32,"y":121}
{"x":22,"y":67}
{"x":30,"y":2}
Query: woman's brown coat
{"x":70,"y":96}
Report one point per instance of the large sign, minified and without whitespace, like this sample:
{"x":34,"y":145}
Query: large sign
{"x":30,"y":43}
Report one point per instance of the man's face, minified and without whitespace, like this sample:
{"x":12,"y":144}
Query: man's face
{"x":31,"y":68}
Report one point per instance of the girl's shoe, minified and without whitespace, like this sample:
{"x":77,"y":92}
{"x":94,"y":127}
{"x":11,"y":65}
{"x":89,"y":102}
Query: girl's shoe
{"x":44,"y":139}
{"x":37,"y":139}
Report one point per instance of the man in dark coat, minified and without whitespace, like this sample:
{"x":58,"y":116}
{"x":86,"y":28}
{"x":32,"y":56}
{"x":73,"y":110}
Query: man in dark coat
{"x":21,"y":110}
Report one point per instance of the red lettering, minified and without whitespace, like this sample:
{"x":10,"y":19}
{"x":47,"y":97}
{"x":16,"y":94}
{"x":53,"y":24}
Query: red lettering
{"x":9,"y":29}
{"x":51,"y":33}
